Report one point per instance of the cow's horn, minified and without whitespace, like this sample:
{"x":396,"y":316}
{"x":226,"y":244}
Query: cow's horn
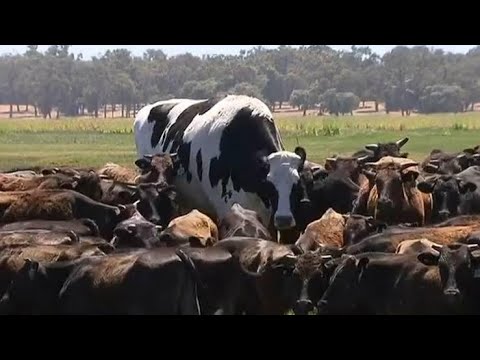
{"x":407,"y":165}
{"x":402,"y":142}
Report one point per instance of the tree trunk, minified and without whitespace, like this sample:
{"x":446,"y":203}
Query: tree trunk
{"x":376,"y":106}
{"x":58,"y":113}
{"x":305,"y":112}
{"x":351,"y":113}
{"x":363,"y":103}
{"x":473,"y":106}
{"x":83,"y":109}
{"x":96,"y":112}
{"x":18,"y":108}
{"x":36,"y":110}
{"x":134,"y":110}
{"x":127,"y":110}
{"x":280,"y":104}
{"x":10,"y":115}
{"x":49,"y":114}
{"x":123,"y":110}
{"x":26,"y":107}
{"x":104,"y":111}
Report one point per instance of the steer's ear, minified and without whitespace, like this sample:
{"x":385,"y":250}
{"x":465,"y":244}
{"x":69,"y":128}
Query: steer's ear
{"x":465,"y":187}
{"x":300,"y":151}
{"x":426,"y":187}
{"x":143,"y":163}
{"x":427,"y":258}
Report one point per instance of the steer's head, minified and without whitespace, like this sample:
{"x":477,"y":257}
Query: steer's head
{"x":285,"y":187}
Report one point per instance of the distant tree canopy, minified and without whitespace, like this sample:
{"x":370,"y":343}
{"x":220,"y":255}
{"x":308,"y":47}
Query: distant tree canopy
{"x":309,"y":77}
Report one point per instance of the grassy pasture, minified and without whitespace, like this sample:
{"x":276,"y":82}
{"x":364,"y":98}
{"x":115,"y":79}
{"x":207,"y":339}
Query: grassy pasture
{"x":25,"y":142}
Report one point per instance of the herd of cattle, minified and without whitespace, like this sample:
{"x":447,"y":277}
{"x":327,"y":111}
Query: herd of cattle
{"x":217,"y":218}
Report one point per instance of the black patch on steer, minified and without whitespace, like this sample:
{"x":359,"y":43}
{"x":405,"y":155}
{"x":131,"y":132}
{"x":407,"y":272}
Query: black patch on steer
{"x":184,"y":156}
{"x":159,"y":115}
{"x":243,"y":142}
{"x":199,"y":164}
{"x":176,"y":131}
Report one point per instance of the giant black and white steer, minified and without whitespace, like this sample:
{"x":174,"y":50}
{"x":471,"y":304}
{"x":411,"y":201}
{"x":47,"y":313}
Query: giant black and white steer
{"x":229,"y":152}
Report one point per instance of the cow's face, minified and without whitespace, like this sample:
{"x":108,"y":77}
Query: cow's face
{"x":157,"y":203}
{"x":289,"y":193}
{"x":446,"y":192}
{"x":357,"y":227}
{"x":30,"y":292}
{"x":343,"y":293}
{"x":387,"y":149}
{"x":457,"y":264}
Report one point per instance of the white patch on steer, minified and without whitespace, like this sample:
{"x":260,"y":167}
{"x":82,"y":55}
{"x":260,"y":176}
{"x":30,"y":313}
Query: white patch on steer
{"x":283,"y":175}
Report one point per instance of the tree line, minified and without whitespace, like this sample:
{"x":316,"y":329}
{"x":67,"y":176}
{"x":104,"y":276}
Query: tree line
{"x":309,"y":77}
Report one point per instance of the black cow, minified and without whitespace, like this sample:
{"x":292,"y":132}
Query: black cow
{"x":385,"y":284}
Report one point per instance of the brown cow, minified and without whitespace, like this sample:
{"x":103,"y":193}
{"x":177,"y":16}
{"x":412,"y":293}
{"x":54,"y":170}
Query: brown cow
{"x":36,"y":237}
{"x":59,"y":205}
{"x":393,"y":236}
{"x":242,"y":222}
{"x":334,"y":230}
{"x":195,"y":228}
{"x":119,"y":173}
{"x":395,"y":198}
{"x":85,"y":183}
{"x":79,"y":226}
{"x":159,"y":168}
{"x":328,"y":230}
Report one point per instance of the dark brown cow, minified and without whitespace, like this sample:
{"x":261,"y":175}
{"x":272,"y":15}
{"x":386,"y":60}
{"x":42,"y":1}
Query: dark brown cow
{"x":13,"y":259}
{"x":157,"y":203}
{"x":136,"y":232}
{"x":79,"y":226}
{"x":242,"y":222}
{"x":159,"y":281}
{"x":459,"y":274}
{"x":35,"y":286}
{"x":388,"y":284}
{"x":377,"y":151}
{"x":59,"y":205}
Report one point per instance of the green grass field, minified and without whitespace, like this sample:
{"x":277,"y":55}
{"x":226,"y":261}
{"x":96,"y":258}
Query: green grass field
{"x":29,"y":142}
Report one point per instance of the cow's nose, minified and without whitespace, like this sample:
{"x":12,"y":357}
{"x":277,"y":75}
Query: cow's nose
{"x":155,"y":220}
{"x":303,"y":307}
{"x":322,"y":303}
{"x":444,"y":214}
{"x":385,"y":203}
{"x":452,"y":292}
{"x":284,"y":222}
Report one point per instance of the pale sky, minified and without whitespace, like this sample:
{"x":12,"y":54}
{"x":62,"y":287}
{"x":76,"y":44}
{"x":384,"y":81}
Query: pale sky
{"x":92,"y":50}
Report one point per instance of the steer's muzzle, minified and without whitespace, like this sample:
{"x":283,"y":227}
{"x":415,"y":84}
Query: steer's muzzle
{"x":452,"y":294}
{"x":443,"y":215}
{"x":284,"y":222}
{"x":303,"y":307}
